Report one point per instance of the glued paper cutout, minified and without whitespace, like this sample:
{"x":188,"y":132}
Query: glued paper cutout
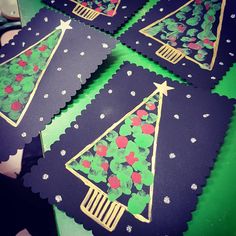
{"x":107,"y":15}
{"x":136,"y":159}
{"x":40,"y":69}
{"x":189,"y":34}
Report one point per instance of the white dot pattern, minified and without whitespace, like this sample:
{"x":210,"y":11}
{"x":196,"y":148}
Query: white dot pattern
{"x":58,"y":198}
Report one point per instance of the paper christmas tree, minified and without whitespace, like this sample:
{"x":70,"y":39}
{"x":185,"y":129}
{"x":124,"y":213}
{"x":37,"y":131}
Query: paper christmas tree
{"x":191,"y":31}
{"x":20,"y":76}
{"x":90,"y":10}
{"x":119,"y":166}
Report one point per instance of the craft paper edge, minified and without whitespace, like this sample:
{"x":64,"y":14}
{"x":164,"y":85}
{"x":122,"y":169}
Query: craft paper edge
{"x":194,"y":206}
{"x":68,"y":97}
{"x":213,"y":84}
{"x":112,"y":31}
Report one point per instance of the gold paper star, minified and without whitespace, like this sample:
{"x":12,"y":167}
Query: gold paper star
{"x":64,"y":25}
{"x":163,"y":88}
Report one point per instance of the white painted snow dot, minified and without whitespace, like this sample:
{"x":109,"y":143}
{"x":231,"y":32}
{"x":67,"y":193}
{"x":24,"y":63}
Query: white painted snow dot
{"x":76,"y":126}
{"x":206,"y":115}
{"x":58,"y":198}
{"x":23,"y":44}
{"x":137,"y":42}
{"x":102,"y":116}
{"x":183,"y":64}
{"x":129,"y":228}
{"x":2,"y":55}
{"x":59,"y":69}
{"x":82,"y":53}
{"x":172,"y":155}
{"x":129,"y":72}
{"x":143,"y":20}
{"x":63,"y":92}
{"x":109,"y":23}
{"x":231,"y":54}
{"x":176,"y":116}
{"x":194,"y":187}
{"x":188,"y":96}
{"x":124,"y":7}
{"x":221,"y":63}
{"x":149,"y":44}
{"x":228,"y":41}
{"x":213,"y":77}
{"x":190,"y":76}
{"x":110,"y":91}
{"x":63,"y":153}
{"x":65,"y":51}
{"x":29,"y":29}
{"x":23,"y":134}
{"x":12,"y":43}
{"x":161,"y":9}
{"x":133,"y":93}
{"x":45,"y":19}
{"x":45,"y":95}
{"x":232,"y":16}
{"x":40,"y":119}
{"x":37,"y":34}
{"x":45,"y":176}
{"x":88,"y":37}
{"x":105,"y":45}
{"x":79,"y":76}
{"x":193,"y":140}
{"x":166,"y":200}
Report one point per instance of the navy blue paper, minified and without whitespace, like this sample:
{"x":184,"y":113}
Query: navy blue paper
{"x":69,"y":67}
{"x":103,"y":17}
{"x":192,"y":127}
{"x":193,"y":39}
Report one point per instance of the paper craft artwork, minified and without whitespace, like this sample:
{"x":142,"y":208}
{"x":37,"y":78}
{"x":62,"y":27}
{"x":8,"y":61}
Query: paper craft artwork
{"x":23,"y":73}
{"x":136,"y":159}
{"x":90,"y":10}
{"x":40,"y":69}
{"x":108,"y":15}
{"x":120,"y":159}
{"x":191,"y":38}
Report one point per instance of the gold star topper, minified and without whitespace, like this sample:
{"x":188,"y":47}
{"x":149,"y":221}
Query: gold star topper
{"x":64,"y":25}
{"x":163,"y":88}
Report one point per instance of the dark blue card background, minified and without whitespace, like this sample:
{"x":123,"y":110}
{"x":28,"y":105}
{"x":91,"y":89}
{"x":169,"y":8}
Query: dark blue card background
{"x":186,"y":69}
{"x":175,"y":177}
{"x":54,"y":81}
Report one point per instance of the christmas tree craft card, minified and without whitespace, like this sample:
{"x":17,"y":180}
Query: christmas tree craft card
{"x":40,"y":69}
{"x":192,"y":38}
{"x":137,"y":158}
{"x":107,"y":15}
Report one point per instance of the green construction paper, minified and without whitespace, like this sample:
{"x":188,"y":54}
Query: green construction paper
{"x":216,"y":209}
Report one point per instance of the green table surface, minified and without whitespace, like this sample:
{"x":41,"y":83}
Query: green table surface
{"x":216,"y":208}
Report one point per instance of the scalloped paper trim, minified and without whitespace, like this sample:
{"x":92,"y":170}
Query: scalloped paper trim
{"x":124,"y":12}
{"x":186,"y":69}
{"x":189,"y":141}
{"x":72,"y":64}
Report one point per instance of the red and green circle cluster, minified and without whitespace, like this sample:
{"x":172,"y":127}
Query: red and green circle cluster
{"x":122,"y":159}
{"x":192,"y":30}
{"x":19,"y":76}
{"x":107,"y":7}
